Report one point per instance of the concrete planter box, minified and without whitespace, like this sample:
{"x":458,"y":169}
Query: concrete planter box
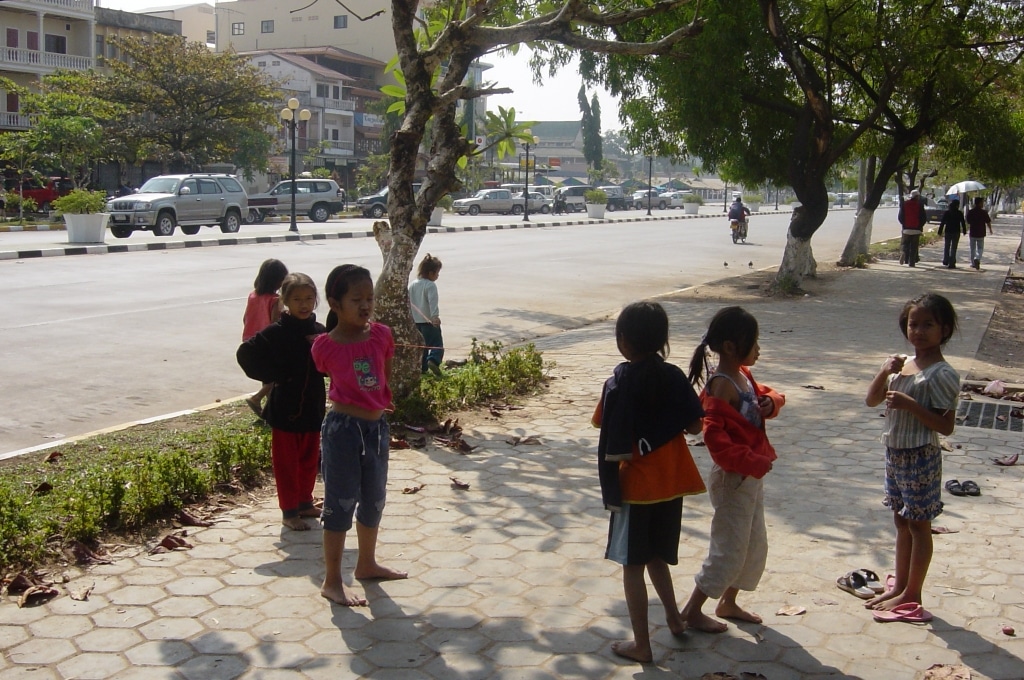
{"x":754,"y":207}
{"x":691,"y":208}
{"x":91,"y":228}
{"x":596,"y":210}
{"x":435,"y":217}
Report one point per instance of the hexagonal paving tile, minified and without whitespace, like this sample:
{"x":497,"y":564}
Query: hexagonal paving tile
{"x":92,"y":665}
{"x":41,"y":651}
{"x":108,"y":640}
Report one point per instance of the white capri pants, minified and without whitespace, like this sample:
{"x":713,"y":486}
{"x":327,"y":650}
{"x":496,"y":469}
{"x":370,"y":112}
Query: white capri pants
{"x":739,"y":537}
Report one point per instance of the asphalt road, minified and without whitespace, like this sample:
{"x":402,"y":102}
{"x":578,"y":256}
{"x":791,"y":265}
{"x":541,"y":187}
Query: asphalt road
{"x":92,"y":341}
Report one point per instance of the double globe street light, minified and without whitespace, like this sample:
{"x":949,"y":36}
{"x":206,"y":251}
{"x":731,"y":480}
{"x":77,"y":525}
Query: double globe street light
{"x":291,"y":116}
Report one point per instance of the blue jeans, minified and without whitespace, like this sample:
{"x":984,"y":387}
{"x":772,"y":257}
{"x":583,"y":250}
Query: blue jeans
{"x":354,"y":463}
{"x":434,"y":350}
{"x":977,"y":248}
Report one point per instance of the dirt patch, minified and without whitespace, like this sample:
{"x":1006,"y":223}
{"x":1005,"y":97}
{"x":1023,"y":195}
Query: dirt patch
{"x":1001,"y":355}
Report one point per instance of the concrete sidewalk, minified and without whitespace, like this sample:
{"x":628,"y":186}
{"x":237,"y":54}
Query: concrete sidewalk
{"x":507,"y":579}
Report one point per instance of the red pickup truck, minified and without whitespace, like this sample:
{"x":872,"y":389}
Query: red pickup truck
{"x":44,"y":194}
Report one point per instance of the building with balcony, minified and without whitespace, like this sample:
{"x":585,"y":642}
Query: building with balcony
{"x":40,"y":37}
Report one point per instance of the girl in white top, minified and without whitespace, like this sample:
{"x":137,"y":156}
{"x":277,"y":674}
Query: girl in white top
{"x":920,"y":394}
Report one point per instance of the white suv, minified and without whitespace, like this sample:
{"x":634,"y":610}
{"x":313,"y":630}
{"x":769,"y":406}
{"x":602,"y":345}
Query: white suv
{"x":189,"y":201}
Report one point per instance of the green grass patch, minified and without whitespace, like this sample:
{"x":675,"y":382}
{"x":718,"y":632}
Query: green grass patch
{"x":131,"y":481}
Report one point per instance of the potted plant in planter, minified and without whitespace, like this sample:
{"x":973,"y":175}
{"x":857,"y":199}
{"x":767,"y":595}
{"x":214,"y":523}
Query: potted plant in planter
{"x":443,"y":204}
{"x":753,"y":201}
{"x":692,"y":203}
{"x":596,"y":200}
{"x":83,"y":214}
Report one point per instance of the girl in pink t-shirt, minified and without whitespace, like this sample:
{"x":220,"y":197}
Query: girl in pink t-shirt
{"x":262,"y":309}
{"x":356,"y":354}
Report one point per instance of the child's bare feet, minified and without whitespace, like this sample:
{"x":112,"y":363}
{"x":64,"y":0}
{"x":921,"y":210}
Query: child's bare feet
{"x":254,"y":404}
{"x":731,"y":610}
{"x":704,"y":623}
{"x":895,"y":601}
{"x":379,"y":572}
{"x":877,"y":601}
{"x":342,"y":596}
{"x":629,"y":650}
{"x":295,"y":523}
{"x":310,"y":512}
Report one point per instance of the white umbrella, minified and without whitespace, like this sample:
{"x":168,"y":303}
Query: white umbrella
{"x":964,"y":187}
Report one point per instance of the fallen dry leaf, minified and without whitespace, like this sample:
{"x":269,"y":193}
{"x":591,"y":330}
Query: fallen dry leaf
{"x":1006,"y":461}
{"x":824,"y":602}
{"x":791,"y":610}
{"x":457,"y":484}
{"x":169,"y":543}
{"x":43,"y":489}
{"x":526,"y":441}
{"x":814,"y":387}
{"x":1001,"y":418}
{"x":943,"y":530}
{"x":53,"y":457}
{"x":941,"y":671}
{"x":188,"y":519}
{"x":399,"y":443}
{"x":81,"y":594}
{"x":37,"y":595}
{"x":413,"y":489}
{"x":83,"y":554}
{"x":18,"y":583}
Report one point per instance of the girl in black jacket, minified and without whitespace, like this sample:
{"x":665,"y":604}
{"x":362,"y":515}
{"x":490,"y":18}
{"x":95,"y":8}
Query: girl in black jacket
{"x":280,"y":354}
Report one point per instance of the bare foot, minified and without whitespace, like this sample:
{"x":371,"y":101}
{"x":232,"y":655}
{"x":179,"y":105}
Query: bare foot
{"x":734,"y":611}
{"x":342,"y":597}
{"x":628,"y":650}
{"x":379,"y":572}
{"x":310,"y":512}
{"x":295,"y":524}
{"x":893,"y":602}
{"x":704,"y":623}
{"x":677,"y":627}
{"x":876,"y":602}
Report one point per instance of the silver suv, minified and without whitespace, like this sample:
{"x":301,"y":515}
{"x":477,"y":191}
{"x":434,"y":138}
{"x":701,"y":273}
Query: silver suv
{"x":189,"y":201}
{"x":318,"y":198}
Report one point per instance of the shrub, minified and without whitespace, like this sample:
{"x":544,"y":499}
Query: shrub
{"x":81,"y":202}
{"x":595,"y":197}
{"x":445,"y":202}
{"x":753,"y":198}
{"x":693,"y":198}
{"x":321,"y":173}
{"x":13,"y":199}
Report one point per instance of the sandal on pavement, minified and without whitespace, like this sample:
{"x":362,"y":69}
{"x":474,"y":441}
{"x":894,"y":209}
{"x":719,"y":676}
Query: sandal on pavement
{"x":970,"y":488}
{"x":909,"y":612}
{"x":855,"y":584}
{"x":953,"y":486}
{"x":871,"y":580}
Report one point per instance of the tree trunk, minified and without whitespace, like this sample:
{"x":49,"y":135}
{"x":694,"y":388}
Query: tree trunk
{"x":860,"y":238}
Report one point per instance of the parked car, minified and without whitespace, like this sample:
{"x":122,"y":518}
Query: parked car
{"x":44,"y":193}
{"x":574,"y":201}
{"x":489,"y":200}
{"x":934,"y":210}
{"x":376,"y":205}
{"x":189,"y":201}
{"x":616,"y":198}
{"x":674,"y":198}
{"x":317,"y":198}
{"x":645,"y":197}
{"x":539,"y":203}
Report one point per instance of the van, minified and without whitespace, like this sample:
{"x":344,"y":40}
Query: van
{"x":573,"y":196}
{"x":545,"y":190}
{"x":616,"y":198}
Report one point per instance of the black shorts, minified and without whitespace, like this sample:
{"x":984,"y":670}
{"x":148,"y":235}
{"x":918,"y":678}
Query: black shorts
{"x":640,"y":533}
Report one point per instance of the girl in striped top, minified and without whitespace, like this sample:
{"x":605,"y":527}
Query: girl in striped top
{"x":920,"y":394}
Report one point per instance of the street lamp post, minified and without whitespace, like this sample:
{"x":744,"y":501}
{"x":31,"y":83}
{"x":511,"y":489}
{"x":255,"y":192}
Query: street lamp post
{"x":526,"y":190}
{"x":650,"y":188}
{"x":288,"y":115}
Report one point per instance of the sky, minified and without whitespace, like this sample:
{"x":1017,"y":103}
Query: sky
{"x":555,"y":100}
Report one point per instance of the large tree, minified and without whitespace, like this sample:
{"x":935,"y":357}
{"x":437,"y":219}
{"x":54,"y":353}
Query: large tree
{"x":437,"y":46}
{"x":192,"y":106}
{"x":786,"y":91}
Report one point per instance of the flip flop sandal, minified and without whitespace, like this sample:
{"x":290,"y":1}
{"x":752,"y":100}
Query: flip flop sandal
{"x":970,"y":488}
{"x":909,"y":612}
{"x":890,"y":582}
{"x":854,"y":584}
{"x":953,"y":486}
{"x":871,"y":580}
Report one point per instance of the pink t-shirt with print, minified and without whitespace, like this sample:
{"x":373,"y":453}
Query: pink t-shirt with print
{"x":357,"y":369}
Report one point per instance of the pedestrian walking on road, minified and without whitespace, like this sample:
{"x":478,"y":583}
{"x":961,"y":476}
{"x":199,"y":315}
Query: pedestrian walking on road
{"x":954,"y":225}
{"x":977,"y":220}
{"x":912,"y":217}
{"x":920,"y":395}
{"x":281,"y":355}
{"x":263,"y":308}
{"x":356,"y":353}
{"x":645,"y":467}
{"x":425,"y":313}
{"x":735,"y":408}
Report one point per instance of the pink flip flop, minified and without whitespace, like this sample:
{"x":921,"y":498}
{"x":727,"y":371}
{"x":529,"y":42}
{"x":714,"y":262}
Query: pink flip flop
{"x":908,"y":612}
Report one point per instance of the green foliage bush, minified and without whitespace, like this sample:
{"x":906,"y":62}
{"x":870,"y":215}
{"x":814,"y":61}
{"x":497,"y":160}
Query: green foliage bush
{"x":12,"y":199}
{"x":753,"y":198}
{"x":693,"y":198}
{"x":595,"y":197}
{"x":81,"y":202}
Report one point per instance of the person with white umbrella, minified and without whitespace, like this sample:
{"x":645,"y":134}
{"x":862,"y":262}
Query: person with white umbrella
{"x":977,"y":220}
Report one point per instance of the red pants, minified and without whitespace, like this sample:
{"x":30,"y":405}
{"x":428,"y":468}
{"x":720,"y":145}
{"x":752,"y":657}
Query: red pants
{"x":296,"y":457}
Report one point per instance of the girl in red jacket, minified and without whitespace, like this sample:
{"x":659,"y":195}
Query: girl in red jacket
{"x":735,"y":409}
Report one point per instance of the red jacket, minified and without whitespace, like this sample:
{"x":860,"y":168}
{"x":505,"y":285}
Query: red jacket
{"x":734,"y":444}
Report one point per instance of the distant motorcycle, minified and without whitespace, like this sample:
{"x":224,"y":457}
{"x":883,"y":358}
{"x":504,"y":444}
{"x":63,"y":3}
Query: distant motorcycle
{"x":739,"y":230}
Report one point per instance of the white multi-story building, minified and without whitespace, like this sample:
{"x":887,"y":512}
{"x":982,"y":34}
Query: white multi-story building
{"x":39,"y":37}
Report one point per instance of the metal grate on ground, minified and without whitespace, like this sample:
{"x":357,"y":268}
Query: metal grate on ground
{"x":990,"y":415}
